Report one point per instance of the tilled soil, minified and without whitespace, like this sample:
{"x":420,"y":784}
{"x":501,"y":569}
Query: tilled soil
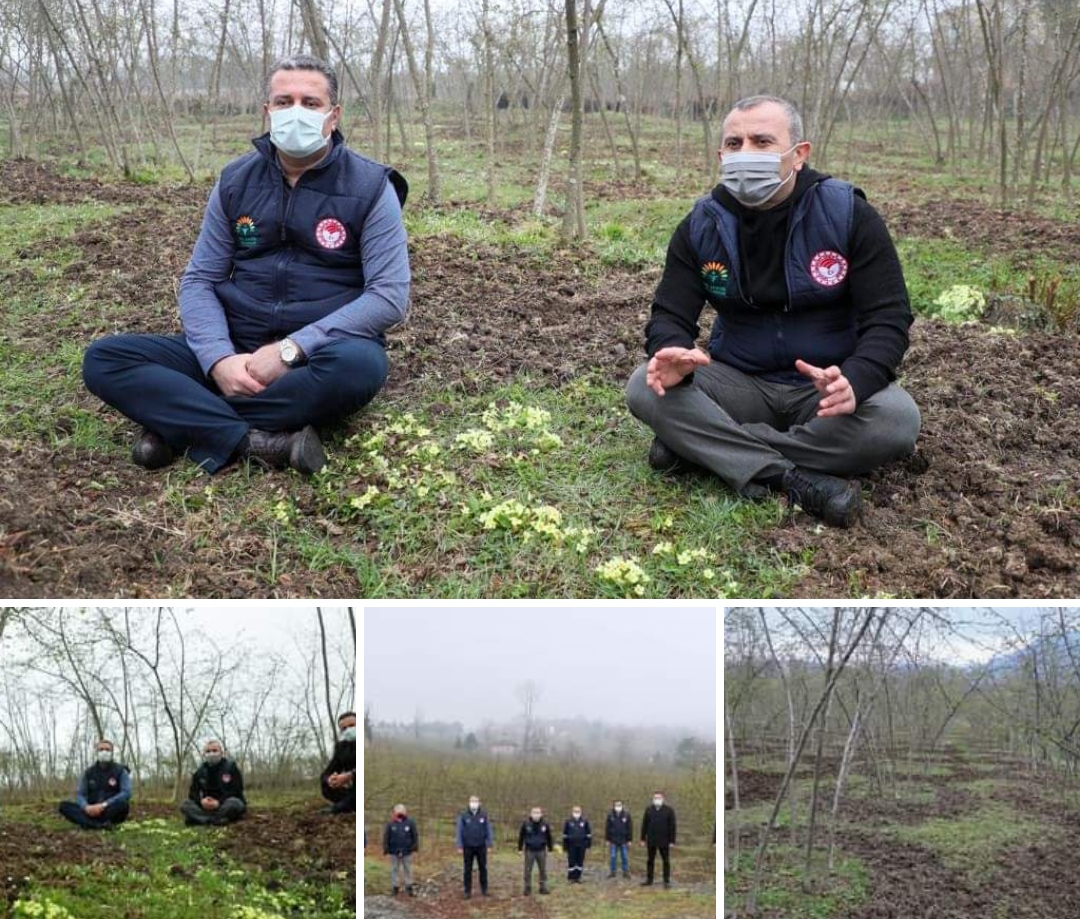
{"x":986,"y":507}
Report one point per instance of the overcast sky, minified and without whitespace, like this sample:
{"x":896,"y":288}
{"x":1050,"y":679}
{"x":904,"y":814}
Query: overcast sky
{"x":628,"y":665}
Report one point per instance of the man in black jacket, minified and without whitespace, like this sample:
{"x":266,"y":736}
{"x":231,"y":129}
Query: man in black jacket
{"x":401,"y":839}
{"x":103,"y":799}
{"x":339,"y":777}
{"x":534,"y":838}
{"x":216,"y":795}
{"x":577,"y":837}
{"x":798,"y":385}
{"x":658,"y":833}
{"x":619,"y":834}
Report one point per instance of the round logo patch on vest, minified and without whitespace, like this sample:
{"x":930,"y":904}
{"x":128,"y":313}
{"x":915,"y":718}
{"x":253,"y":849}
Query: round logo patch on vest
{"x":226,"y":777}
{"x":330,"y":233}
{"x":247,"y":233}
{"x":828,"y":268}
{"x":112,"y":781}
{"x":714,"y":275}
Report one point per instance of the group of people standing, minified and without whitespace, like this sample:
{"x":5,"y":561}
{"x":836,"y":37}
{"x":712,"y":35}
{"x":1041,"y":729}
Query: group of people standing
{"x":216,"y":793}
{"x":474,"y":837}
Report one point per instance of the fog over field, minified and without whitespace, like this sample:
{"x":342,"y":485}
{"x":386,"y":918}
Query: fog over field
{"x":636,"y":665}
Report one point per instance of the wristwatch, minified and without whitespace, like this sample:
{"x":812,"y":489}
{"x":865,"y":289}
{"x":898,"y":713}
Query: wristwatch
{"x":290,"y":353}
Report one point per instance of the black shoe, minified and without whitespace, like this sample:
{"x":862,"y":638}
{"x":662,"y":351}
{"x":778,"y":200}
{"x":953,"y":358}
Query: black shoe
{"x":150,"y":450}
{"x":836,"y":501}
{"x":611,"y":875}
{"x":646,"y":883}
{"x":665,"y":460}
{"x":393,"y":891}
{"x":468,"y":896}
{"x":411,"y":890}
{"x":626,"y":874}
{"x":544,"y":891}
{"x":527,"y":892}
{"x":300,"y":450}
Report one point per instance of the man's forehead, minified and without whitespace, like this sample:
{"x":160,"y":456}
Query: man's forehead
{"x":348,"y":720}
{"x":300,"y":82}
{"x":765,"y":119}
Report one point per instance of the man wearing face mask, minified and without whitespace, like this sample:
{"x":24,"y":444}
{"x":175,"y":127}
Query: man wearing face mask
{"x":216,"y":795}
{"x":577,"y":838}
{"x":474,"y":837}
{"x":797,"y":389}
{"x":299,"y":269}
{"x":534,"y":838}
{"x":339,"y":777}
{"x":401,"y":839}
{"x":619,"y":833}
{"x":103,"y":799}
{"x":658,"y":834}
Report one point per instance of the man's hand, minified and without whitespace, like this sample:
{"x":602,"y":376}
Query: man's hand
{"x":233,"y":378}
{"x":838,"y":398}
{"x":209,"y":804}
{"x":266,"y":365}
{"x":669,"y":365}
{"x":94,"y":810}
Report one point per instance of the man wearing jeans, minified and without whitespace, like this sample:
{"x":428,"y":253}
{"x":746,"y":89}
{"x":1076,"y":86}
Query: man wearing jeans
{"x":475,"y":838}
{"x":298,"y":271}
{"x":619,"y":833}
{"x":797,"y":389}
{"x":400,"y":841}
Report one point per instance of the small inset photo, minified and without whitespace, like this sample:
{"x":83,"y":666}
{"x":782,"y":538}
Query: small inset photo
{"x":542,"y":761}
{"x":901,"y":762}
{"x":172,"y":763}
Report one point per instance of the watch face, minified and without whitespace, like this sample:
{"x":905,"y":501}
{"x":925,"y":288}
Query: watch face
{"x":288,"y":352}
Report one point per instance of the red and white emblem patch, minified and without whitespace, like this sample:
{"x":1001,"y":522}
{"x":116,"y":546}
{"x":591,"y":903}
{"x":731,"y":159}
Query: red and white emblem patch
{"x":828,"y":268}
{"x":226,"y":777}
{"x":112,"y":781}
{"x":330,"y":233}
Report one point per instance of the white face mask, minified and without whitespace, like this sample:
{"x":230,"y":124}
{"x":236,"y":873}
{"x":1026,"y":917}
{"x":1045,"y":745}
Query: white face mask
{"x":349,"y":734}
{"x":577,"y":815}
{"x":618,"y":808}
{"x":536,"y":815}
{"x":104,"y":757}
{"x":657,"y":802}
{"x":753,"y":178}
{"x":474,"y":806}
{"x":297,"y":131}
{"x":212,"y":759}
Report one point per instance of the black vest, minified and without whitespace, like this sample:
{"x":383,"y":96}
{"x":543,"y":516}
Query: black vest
{"x":296,"y":251}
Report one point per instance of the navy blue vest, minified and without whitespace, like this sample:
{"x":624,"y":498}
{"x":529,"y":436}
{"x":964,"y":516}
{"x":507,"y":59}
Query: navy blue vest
{"x":296,"y":253}
{"x":103,"y":782}
{"x":817,"y":324}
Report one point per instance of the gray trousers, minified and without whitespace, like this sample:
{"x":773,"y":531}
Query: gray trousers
{"x":540,"y":857}
{"x":740,"y":426}
{"x":229,"y":810}
{"x":402,"y":862}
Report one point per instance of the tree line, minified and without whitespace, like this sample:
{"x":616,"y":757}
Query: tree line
{"x":989,"y":86}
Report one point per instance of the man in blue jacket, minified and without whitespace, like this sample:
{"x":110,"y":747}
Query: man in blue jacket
{"x":103,"y":799}
{"x":577,"y":838}
{"x":299,"y":269}
{"x":401,"y":840}
{"x":475,"y":837}
{"x":797,"y":389}
{"x":619,"y":834}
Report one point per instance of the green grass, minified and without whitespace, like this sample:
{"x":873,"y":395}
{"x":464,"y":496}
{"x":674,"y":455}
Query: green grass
{"x":510,"y":494}
{"x":173,"y":872}
{"x":969,"y":843}
{"x":781,"y":893}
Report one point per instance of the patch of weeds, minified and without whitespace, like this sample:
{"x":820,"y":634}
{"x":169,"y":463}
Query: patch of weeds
{"x":782,"y":892}
{"x":523,"y":491}
{"x":969,"y":843}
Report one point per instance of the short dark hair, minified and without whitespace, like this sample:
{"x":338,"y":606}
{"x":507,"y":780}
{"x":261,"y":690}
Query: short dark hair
{"x":345,"y":715}
{"x":304,"y":62}
{"x":112,"y":746}
{"x":794,"y":119}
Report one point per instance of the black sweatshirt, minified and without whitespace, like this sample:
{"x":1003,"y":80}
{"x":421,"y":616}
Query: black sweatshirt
{"x":876,"y":285}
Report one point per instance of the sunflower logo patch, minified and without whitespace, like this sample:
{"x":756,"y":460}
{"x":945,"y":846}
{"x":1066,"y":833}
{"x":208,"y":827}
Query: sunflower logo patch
{"x":247,"y":233}
{"x":714,"y":275}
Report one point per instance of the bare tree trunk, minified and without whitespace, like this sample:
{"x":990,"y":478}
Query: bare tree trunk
{"x":332,"y":718}
{"x":573,"y":226}
{"x":422,"y":83}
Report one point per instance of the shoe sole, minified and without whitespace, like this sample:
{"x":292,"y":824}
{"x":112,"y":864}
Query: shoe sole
{"x":307,"y":454}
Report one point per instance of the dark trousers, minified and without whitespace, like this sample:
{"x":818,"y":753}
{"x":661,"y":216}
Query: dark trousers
{"x":112,"y":815}
{"x":229,"y":810}
{"x":157,"y":382}
{"x":343,"y":799}
{"x":480,"y":854}
{"x":664,"y":854}
{"x":539,"y":857}
{"x":575,"y":863}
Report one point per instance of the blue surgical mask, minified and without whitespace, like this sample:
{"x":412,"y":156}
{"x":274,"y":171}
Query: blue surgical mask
{"x":753,"y":178}
{"x":297,"y":131}
{"x":348,"y":734}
